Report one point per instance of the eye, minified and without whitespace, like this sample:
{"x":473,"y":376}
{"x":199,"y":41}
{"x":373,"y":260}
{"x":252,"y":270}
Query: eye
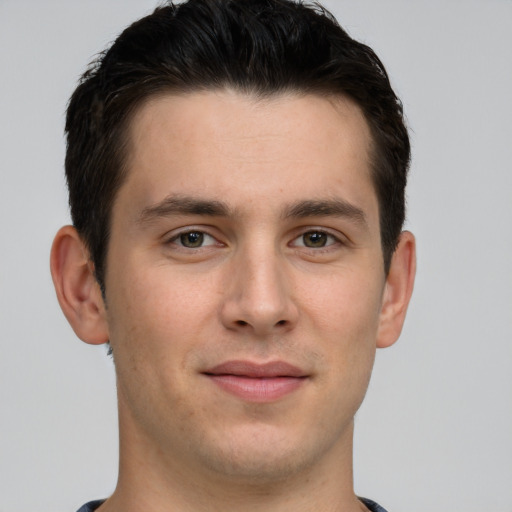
{"x":315,"y":240}
{"x":193,"y":239}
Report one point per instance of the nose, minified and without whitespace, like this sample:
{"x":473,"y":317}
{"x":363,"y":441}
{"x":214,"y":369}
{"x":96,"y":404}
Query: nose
{"x":258,"y":297}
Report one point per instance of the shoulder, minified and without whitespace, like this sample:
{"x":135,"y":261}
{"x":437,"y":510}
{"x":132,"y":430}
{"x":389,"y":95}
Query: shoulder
{"x":91,"y":506}
{"x":372,"y":505}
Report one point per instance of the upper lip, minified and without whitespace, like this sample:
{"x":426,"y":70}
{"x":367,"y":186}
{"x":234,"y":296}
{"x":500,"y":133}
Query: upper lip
{"x":257,"y":370}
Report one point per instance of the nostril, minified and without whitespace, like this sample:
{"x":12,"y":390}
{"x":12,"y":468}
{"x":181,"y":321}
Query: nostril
{"x":281,"y":322}
{"x":241,"y":323}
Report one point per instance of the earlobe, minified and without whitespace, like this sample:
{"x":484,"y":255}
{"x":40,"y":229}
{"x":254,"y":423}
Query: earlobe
{"x":397,"y":291}
{"x":77,"y":290}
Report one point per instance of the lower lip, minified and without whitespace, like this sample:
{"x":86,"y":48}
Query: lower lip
{"x":259,"y":390}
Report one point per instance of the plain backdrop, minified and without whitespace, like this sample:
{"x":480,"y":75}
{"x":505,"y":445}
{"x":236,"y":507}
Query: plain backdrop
{"x":435,"y":431}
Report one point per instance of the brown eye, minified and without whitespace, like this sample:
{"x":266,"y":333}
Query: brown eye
{"x":315,"y":239}
{"x":192,"y":239}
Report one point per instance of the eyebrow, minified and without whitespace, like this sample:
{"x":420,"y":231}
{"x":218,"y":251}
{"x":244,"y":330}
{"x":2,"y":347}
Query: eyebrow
{"x":184,"y":205}
{"x":189,"y":205}
{"x":326,"y":208}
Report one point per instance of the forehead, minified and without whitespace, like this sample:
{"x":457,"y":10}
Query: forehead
{"x":221,"y":142}
{"x":217,"y":112}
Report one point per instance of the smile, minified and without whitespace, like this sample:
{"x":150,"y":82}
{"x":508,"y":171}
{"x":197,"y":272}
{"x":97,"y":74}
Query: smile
{"x":258,"y":383}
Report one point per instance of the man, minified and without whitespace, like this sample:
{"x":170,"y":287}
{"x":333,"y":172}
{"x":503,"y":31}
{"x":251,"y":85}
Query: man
{"x":236,"y":171}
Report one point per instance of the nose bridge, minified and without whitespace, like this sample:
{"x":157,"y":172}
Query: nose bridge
{"x":264,"y":286}
{"x":259,"y":295}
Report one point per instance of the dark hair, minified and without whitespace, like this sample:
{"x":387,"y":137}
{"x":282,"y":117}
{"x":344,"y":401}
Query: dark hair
{"x":262,"y":47}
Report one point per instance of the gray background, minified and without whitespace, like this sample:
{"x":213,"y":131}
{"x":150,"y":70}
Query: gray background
{"x":435,"y":432}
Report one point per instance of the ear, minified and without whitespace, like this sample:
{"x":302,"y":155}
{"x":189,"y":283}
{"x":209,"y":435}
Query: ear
{"x":77,"y":290}
{"x":397,"y":290}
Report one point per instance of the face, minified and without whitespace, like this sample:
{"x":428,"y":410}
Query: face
{"x":244,"y":280}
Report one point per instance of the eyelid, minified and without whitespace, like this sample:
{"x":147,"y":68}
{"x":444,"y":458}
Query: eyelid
{"x":172,"y":237}
{"x":338,"y":238}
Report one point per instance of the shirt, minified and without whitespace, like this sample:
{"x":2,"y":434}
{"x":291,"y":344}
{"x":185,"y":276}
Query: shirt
{"x":93,"y":505}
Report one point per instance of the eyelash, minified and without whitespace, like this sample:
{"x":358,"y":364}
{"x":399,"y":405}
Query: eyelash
{"x":331,"y":240}
{"x":177,"y":239}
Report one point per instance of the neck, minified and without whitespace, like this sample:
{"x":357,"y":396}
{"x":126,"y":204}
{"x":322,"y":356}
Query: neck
{"x":153,"y":480}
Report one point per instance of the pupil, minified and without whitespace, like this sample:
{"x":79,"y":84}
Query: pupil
{"x":315,"y":239}
{"x":192,"y":239}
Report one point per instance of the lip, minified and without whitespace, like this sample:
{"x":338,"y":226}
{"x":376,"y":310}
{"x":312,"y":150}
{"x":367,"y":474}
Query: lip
{"x":256,"y":382}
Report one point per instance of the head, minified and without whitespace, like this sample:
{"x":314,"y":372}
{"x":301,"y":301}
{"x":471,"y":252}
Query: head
{"x":262,"y":48}
{"x":237,"y":173}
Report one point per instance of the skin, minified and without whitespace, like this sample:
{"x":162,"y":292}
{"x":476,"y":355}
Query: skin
{"x":267,"y":278}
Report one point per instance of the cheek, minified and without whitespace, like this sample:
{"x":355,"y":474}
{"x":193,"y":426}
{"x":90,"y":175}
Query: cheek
{"x":155,"y":328}
{"x":154,"y":321}
{"x":346,"y":305}
{"x":158,"y":299}
{"x":345,"y":322}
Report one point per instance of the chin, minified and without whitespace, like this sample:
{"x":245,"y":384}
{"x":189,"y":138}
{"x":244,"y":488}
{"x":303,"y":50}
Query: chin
{"x":257,"y":468}
{"x":262,"y":457}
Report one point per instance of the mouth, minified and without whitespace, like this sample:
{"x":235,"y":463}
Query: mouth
{"x":255,"y":382}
